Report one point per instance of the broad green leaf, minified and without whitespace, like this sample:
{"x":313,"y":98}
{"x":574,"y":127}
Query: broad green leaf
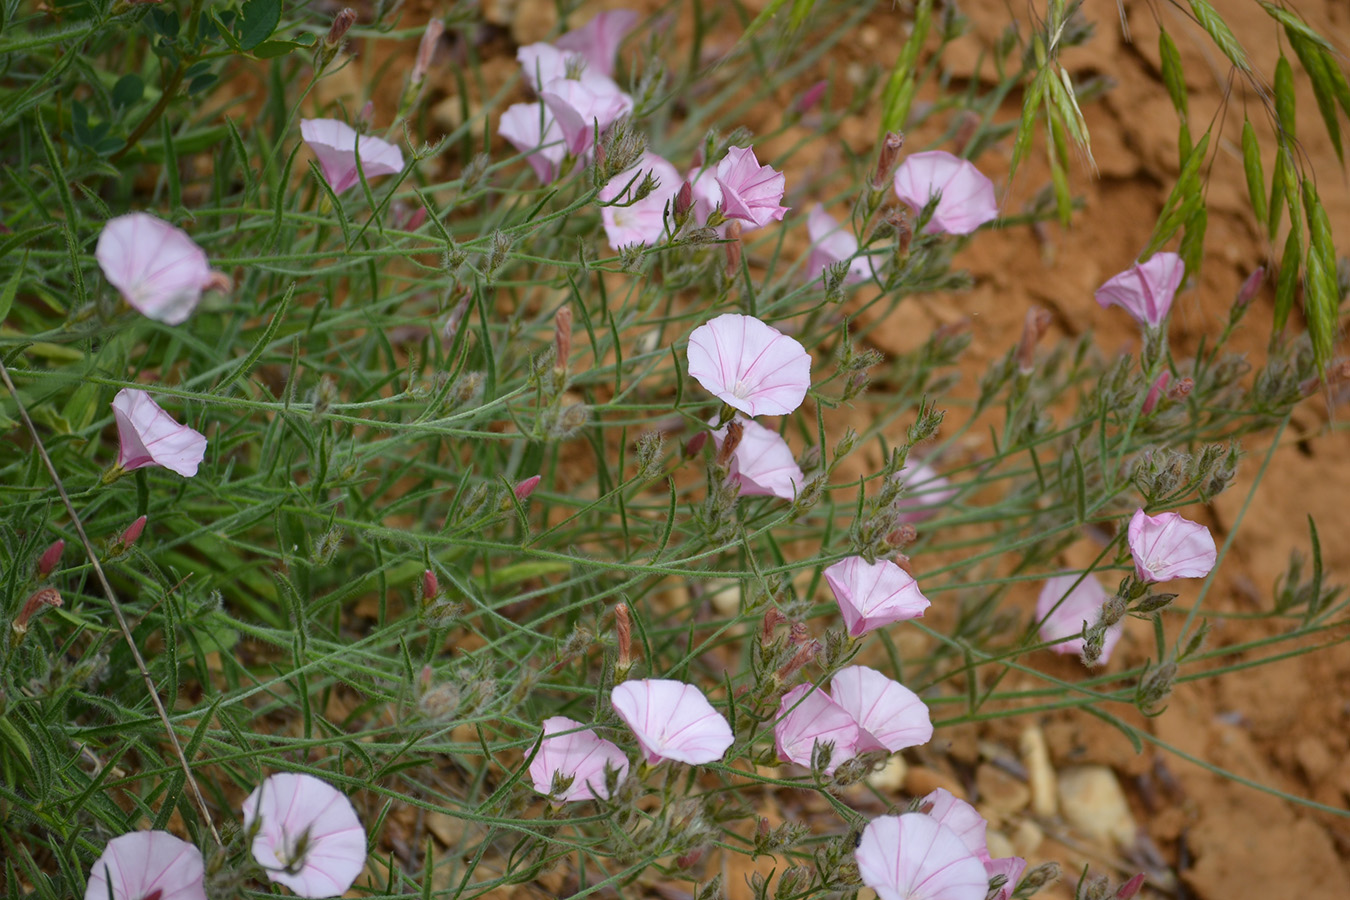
{"x":257,"y":20}
{"x":128,"y":90}
{"x":1251,"y":164}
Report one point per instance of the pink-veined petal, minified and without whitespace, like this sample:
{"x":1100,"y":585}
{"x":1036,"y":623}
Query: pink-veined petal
{"x":871,"y":595}
{"x":967,"y":196}
{"x":308,"y":835}
{"x":574,"y":750}
{"x":762,"y":464}
{"x":889,"y":715}
{"x":807,"y":716}
{"x":1168,"y":546}
{"x":137,"y":864}
{"x":336,"y":144}
{"x":598,"y":40}
{"x":1145,"y":290}
{"x":752,"y":366}
{"x":1067,"y":603}
{"x":672,"y":720}
{"x":913,"y":857}
{"x":155,"y":266}
{"x":148,"y":436}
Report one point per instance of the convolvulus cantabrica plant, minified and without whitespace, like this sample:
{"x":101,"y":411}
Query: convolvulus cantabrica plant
{"x":409,"y":423}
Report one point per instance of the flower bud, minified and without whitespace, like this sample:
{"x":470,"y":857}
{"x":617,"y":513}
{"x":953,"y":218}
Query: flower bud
{"x":562,"y":339}
{"x":886,"y":159}
{"x":426,"y":50}
{"x":431,"y":586}
{"x":683,"y":205}
{"x":1127,"y":890}
{"x":37,"y":601}
{"x":1154,"y":392}
{"x":128,"y":538}
{"x":807,"y":652}
{"x":735,"y":431}
{"x":342,"y":23}
{"x":1247,"y":293}
{"x":1033,"y":329}
{"x":1181,"y":389}
{"x":624,"y":627}
{"x":695,"y":444}
{"x":773,"y":617}
{"x":1155,"y":688}
{"x":50,"y":558}
{"x":525,"y":488}
{"x":809,"y":98}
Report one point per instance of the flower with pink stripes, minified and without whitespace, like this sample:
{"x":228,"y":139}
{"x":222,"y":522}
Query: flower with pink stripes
{"x":1168,"y":546}
{"x":807,"y":717}
{"x":762,"y":463}
{"x":147,"y":864}
{"x":871,"y":595}
{"x":575,"y":752}
{"x":749,"y":365}
{"x":672,"y":720}
{"x":305,"y":835}
{"x":148,"y":436}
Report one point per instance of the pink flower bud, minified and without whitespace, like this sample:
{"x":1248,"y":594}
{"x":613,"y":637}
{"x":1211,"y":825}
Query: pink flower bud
{"x":342,"y":23}
{"x":426,"y":50}
{"x":1181,"y":390}
{"x":624,"y":627}
{"x":695,"y":444}
{"x":1037,"y":323}
{"x":50,"y":558}
{"x":810,"y":97}
{"x":39,"y":599}
{"x":733,"y":246}
{"x":1247,"y":292}
{"x":129,"y":537}
{"x":431,"y":585}
{"x":562,"y":338}
{"x":1127,"y":890}
{"x":887,"y":158}
{"x":525,"y":488}
{"x":1156,"y":391}
{"x":735,"y":431}
{"x":773,"y":617}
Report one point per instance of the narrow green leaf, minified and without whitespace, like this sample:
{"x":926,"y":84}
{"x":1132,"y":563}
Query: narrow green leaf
{"x":1220,"y":33}
{"x":11,"y":287}
{"x":171,"y":164}
{"x":1287,"y":282}
{"x":261,"y":345}
{"x":762,"y":19}
{"x":1172,"y":74}
{"x":58,"y":174}
{"x":1256,"y":178}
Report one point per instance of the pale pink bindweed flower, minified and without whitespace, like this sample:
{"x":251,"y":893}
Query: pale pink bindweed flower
{"x":750,"y":192}
{"x":144,"y":865}
{"x":966,"y":823}
{"x":749,"y":365}
{"x":148,"y":436}
{"x":1146,"y":290}
{"x":832,"y":243}
{"x":582,"y":108}
{"x":925,"y":492}
{"x":336,"y":145}
{"x":1168,"y":546}
{"x":890,"y":716}
{"x":598,"y":40}
{"x":762,"y":463}
{"x":806,"y":717}
{"x":707,"y":197}
{"x":629,"y":221}
{"x":967,"y":196}
{"x":307,"y":835}
{"x":914,"y":857}
{"x":1011,"y":868}
{"x":871,"y":595}
{"x":1068,"y":603}
{"x":531,"y":129}
{"x":672,"y":720}
{"x":155,"y":266}
{"x":574,"y":751}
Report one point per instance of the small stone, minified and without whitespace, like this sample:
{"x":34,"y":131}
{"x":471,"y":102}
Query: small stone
{"x":1001,"y":791}
{"x":725,"y":597}
{"x":922,"y":780}
{"x":533,"y":21}
{"x":1040,"y":774}
{"x":1314,"y":759}
{"x":1026,"y":838}
{"x":1091,"y":801}
{"x":998,"y":845}
{"x":890,"y":777}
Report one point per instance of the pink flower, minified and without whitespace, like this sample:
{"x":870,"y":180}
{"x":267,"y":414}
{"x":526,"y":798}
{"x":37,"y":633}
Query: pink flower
{"x":807,"y":716}
{"x":542,"y":62}
{"x":874,"y":594}
{"x":762,"y":463}
{"x":672,"y":720}
{"x":967,"y":196}
{"x":750,"y":191}
{"x":576,"y":752}
{"x":1011,"y":868}
{"x":336,"y":145}
{"x":598,"y":40}
{"x":145,"y":864}
{"x":967,"y":824}
{"x":707,"y":197}
{"x":1168,"y":546}
{"x":308,"y":836}
{"x":582,"y":108}
{"x":156,"y":267}
{"x":925,"y":492}
{"x":1145,"y":291}
{"x":749,"y":365}
{"x":913,"y":857}
{"x":643,"y":221}
{"x":531,"y":129}
{"x":150,"y":437}
{"x":889,"y":715}
{"x":1066,"y":604}
{"x":830,"y":244}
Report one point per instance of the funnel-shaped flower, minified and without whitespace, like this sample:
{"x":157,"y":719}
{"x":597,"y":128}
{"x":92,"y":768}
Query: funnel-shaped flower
{"x":156,"y":267}
{"x":806,"y":717}
{"x":832,"y":243}
{"x":1168,"y":546}
{"x":308,"y":836}
{"x":889,"y":715}
{"x":1145,"y":291}
{"x":967,"y":196}
{"x":750,"y":192}
{"x":582,"y":108}
{"x":574,"y":751}
{"x":146,"y":864}
{"x":925,"y":492}
{"x":913,"y":857}
{"x":874,"y":594}
{"x":1066,"y":604}
{"x":762,"y":463}
{"x":672,"y":720}
{"x":336,"y":145}
{"x":638,"y":221}
{"x":1011,"y":868}
{"x":598,"y":40}
{"x":150,"y":437}
{"x":960,"y":817}
{"x":707,"y":197}
{"x":531,"y":130}
{"x":749,"y":365}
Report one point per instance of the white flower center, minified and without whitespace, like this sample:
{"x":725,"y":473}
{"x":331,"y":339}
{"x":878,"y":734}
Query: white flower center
{"x":741,"y":390}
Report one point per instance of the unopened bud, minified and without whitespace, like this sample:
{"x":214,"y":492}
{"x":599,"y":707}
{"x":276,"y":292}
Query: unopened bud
{"x":1156,"y":391}
{"x":424,"y":680}
{"x":1040,"y":876}
{"x":733,"y":246}
{"x":691,"y":858}
{"x":804,"y":655}
{"x":1033,"y":329}
{"x":365,"y":117}
{"x":624,"y":627}
{"x":38,"y":600}
{"x":431,"y":586}
{"x":1247,"y":293}
{"x":1127,"y":890}
{"x":50,"y":558}
{"x":562,"y":339}
{"x":966,"y":126}
{"x":1155,"y":688}
{"x":905,"y":564}
{"x":888,"y":156}
{"x":809,"y":98}
{"x":735,"y":431}
{"x":426,"y":50}
{"x":903,"y":536}
{"x":695,"y":444}
{"x":342,"y":23}
{"x":773,"y":617}
{"x":128,"y":538}
{"x":525,"y":488}
{"x":683,"y":205}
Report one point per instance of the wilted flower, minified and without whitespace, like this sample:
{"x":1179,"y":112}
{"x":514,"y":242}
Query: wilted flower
{"x":598,"y":40}
{"x":1145,"y":291}
{"x":147,"y":864}
{"x":307,"y":834}
{"x":531,"y":129}
{"x":925,"y":492}
{"x":749,"y":365}
{"x":806,"y":717}
{"x":1168,"y":546}
{"x":913,"y":857}
{"x":336,"y":145}
{"x":762,"y":463}
{"x":831,"y":243}
{"x":672,"y":720}
{"x":638,"y":221}
{"x":889,"y":715}
{"x":967,"y":196}
{"x":750,"y":191}
{"x":156,"y":267}
{"x":150,"y":437}
{"x":571,"y":750}
{"x":874,"y":594}
{"x":1067,"y":604}
{"x":582,"y":108}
